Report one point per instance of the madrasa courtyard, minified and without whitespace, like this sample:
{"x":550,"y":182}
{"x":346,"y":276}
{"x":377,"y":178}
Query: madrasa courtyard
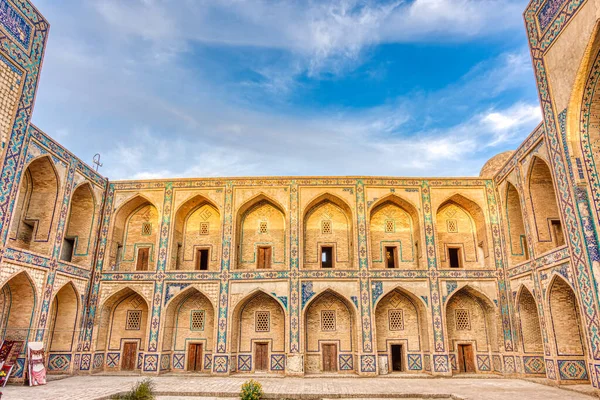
{"x":316,"y":286}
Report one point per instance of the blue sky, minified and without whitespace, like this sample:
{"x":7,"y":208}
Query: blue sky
{"x":197,"y":88}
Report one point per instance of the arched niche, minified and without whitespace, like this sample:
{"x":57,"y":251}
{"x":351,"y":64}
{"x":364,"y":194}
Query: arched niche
{"x":34,"y":213}
{"x":80,"y":236}
{"x":261,"y":235}
{"x":197,"y":236}
{"x":328,"y":234}
{"x":134,"y":239}
{"x":461,"y":231}
{"x":394,"y":234}
{"x":519,"y":250}
{"x":17,"y":300}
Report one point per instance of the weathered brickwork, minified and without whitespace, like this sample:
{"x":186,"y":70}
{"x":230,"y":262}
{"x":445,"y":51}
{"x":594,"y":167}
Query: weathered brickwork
{"x":306,"y":275}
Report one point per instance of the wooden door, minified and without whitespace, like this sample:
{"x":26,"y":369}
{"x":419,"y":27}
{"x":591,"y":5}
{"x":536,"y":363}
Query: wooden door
{"x":142,"y":260}
{"x":466,"y":361}
{"x":194,"y":357}
{"x":261,"y":355}
{"x":329,"y":357}
{"x":264,"y":258}
{"x":129,"y":356}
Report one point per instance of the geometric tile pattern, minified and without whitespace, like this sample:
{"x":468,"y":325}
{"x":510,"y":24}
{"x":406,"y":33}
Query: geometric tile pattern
{"x":509,"y":364}
{"x":572,"y":370}
{"x":98,"y":360}
{"x":178,"y":360}
{"x":151,"y":362}
{"x":483,"y":363}
{"x":497,"y":362}
{"x":220,"y":364}
{"x":346,"y":363}
{"x":453,"y":362}
{"x":86,"y":360}
{"x":367,"y":363}
{"x":427,"y":362}
{"x":440,"y":363}
{"x":59,"y":362}
{"x":207,"y":361}
{"x":277,"y":362}
{"x":165,"y":362}
{"x":534,"y":365}
{"x":244,"y":362}
{"x":112,"y":360}
{"x":414,"y":362}
{"x":550,"y":372}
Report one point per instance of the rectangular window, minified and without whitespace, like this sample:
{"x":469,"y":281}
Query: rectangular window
{"x":328,"y":320}
{"x":463,"y":321}
{"x":262,"y":227}
{"x":202,"y":260}
{"x":134,"y":320}
{"x":146,"y":229}
{"x":66,"y":252}
{"x":142,"y":259}
{"x":454,"y":257}
{"x":263,"y":257}
{"x":326,"y":257}
{"x":262,"y":321}
{"x":389,"y":226}
{"x":396,"y":318}
{"x":178,"y":256}
{"x":557,"y":231}
{"x":204,"y":228}
{"x":390,"y":257}
{"x":326,"y":227}
{"x":197,"y":320}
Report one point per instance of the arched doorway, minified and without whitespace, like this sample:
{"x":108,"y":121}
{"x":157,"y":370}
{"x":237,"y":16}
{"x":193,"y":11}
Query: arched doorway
{"x":122,"y":326}
{"x":330,"y":335}
{"x":402,"y":332}
{"x":471,"y":323}
{"x":258,"y":335}
{"x":189,"y":331}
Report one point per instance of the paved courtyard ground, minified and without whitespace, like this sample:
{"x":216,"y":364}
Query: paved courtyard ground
{"x":198,"y":388}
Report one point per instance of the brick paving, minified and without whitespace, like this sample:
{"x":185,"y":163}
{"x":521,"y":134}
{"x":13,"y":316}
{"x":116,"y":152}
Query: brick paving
{"x":181,"y":388}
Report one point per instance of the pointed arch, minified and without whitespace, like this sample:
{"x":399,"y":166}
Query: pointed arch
{"x":34,"y":213}
{"x":531,"y":331}
{"x":328,"y":233}
{"x":261,"y":234}
{"x":259,"y":326}
{"x":134,"y":235}
{"x":123,"y":318}
{"x":461,"y":230}
{"x":19,"y":298}
{"x":400,"y":320}
{"x":330,"y":333}
{"x":546,"y":214}
{"x":472,"y":318}
{"x":569,"y":335}
{"x":78,"y":242}
{"x":394,"y":233}
{"x":517,"y":238}
{"x":196,"y":229}
{"x":64,"y":315}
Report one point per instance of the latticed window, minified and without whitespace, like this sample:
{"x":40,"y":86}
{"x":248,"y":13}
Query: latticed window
{"x":389,"y":226}
{"x":326,"y":227}
{"x":328,"y":320}
{"x":146,"y":229}
{"x":204,"y":228}
{"x":262,"y":321}
{"x":197,"y":320}
{"x":262,"y":228}
{"x":463,"y":321}
{"x":452,"y":226}
{"x":134,"y":320}
{"x":396,"y":318}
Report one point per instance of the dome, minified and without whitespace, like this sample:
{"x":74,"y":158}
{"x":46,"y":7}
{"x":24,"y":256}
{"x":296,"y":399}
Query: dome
{"x":495,"y":163}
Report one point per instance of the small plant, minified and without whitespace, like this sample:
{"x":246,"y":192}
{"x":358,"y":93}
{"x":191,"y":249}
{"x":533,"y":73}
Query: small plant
{"x":142,"y":390}
{"x":251,"y":390}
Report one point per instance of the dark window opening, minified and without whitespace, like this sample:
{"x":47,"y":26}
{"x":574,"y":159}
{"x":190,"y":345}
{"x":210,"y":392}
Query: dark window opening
{"x":119,"y":256}
{"x":142,"y":259}
{"x":397,"y":357}
{"x":559,"y":237}
{"x":202,"y":260}
{"x":66,"y":253}
{"x":390,"y":257}
{"x":178,"y":256}
{"x":263,"y":257}
{"x":454,"y":257}
{"x":326,"y":257}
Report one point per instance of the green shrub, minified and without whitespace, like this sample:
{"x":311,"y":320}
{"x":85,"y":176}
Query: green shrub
{"x":142,"y":390}
{"x":251,"y":390}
